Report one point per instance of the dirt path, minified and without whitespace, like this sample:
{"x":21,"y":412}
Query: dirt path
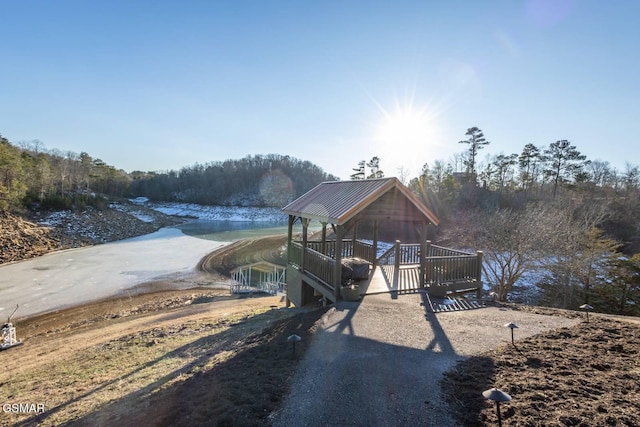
{"x":57,"y":335}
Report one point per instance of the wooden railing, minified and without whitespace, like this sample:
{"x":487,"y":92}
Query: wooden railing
{"x":443,"y":266}
{"x":295,"y":254}
{"x":448,"y":269}
{"x":435,"y":250}
{"x":360,"y":249}
{"x":401,"y":254}
{"x":319,"y":265}
{"x":365,"y":251}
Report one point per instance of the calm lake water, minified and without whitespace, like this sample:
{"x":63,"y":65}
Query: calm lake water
{"x":229,"y":231}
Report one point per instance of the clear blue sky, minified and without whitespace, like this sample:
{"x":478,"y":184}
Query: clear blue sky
{"x":157,"y":85}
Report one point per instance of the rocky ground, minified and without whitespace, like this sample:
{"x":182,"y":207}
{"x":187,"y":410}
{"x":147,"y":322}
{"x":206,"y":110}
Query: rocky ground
{"x":34,"y":234}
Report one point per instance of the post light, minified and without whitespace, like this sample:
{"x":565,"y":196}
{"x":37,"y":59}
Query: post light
{"x":512,"y":326}
{"x":586,"y":307}
{"x":294,"y":339}
{"x":497,"y":396}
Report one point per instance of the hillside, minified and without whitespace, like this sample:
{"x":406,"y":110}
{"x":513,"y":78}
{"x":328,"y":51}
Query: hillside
{"x":22,"y":237}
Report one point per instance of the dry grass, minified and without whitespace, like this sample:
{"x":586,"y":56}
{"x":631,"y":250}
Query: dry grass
{"x":192,"y":370}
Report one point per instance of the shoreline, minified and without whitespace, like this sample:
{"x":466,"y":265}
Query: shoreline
{"x":71,"y":277}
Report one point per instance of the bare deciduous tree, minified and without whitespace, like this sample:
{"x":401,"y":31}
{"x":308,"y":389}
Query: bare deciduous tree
{"x":513,"y":242}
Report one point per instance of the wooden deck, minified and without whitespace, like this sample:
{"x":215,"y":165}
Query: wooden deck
{"x":385,"y":280}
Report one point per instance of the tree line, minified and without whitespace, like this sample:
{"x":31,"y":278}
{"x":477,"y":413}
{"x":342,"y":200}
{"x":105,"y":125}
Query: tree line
{"x":255,"y":180}
{"x":545,"y":209}
{"x":33,"y":176}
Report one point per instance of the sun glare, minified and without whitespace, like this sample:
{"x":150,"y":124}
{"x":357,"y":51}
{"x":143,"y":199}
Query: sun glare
{"x":404,"y":133}
{"x":405,"y":126}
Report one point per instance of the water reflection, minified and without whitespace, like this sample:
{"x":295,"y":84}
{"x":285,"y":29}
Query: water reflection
{"x":229,"y":231}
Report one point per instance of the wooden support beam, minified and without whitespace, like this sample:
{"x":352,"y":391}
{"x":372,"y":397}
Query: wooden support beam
{"x":376,"y":225}
{"x":305,"y":233}
{"x":398,"y":255}
{"x":479,"y":275}
{"x":338,"y":265}
{"x":324,"y":238}
{"x":292,"y":220}
{"x":423,"y":253}
{"x":354,"y":237}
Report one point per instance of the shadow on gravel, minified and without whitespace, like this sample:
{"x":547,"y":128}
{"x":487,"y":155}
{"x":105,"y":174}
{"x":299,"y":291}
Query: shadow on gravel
{"x":375,"y":363}
{"x":461,"y":386}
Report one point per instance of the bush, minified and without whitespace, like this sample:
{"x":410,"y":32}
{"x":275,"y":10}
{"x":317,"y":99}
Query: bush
{"x":79,"y":202}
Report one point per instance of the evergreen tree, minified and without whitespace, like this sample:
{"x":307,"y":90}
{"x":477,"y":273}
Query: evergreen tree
{"x":476,"y":142}
{"x":563,"y":161}
{"x":529,"y":163}
{"x":374,"y":167}
{"x":358,"y":172}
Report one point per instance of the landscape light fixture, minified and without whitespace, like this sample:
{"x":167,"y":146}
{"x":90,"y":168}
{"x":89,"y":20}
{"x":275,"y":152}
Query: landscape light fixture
{"x":294,"y":339}
{"x":586,"y":307}
{"x":512,"y":326}
{"x":497,"y":396}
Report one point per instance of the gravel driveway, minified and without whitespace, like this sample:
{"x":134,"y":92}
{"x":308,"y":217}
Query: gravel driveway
{"x":378,"y":362}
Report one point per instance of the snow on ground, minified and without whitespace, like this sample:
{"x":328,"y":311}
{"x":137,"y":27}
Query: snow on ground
{"x":218,"y":213}
{"x":142,"y":216}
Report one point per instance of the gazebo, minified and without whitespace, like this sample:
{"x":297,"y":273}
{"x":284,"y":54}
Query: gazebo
{"x":316,"y":268}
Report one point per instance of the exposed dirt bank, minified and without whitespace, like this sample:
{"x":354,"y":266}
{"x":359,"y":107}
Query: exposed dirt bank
{"x":23,"y":237}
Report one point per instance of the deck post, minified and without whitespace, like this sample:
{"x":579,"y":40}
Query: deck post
{"x":324,"y":239}
{"x":396,"y":263}
{"x":338,"y":266}
{"x":376,"y":224}
{"x":305,"y":227}
{"x":479,"y":275}
{"x":354,"y":238}
{"x":427,"y":253}
{"x":292,"y":219}
{"x":423,"y":254}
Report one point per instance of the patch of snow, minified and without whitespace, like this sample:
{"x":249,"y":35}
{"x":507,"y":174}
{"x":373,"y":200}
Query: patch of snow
{"x":219,"y":213}
{"x":139,"y":200}
{"x":142,"y":217}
